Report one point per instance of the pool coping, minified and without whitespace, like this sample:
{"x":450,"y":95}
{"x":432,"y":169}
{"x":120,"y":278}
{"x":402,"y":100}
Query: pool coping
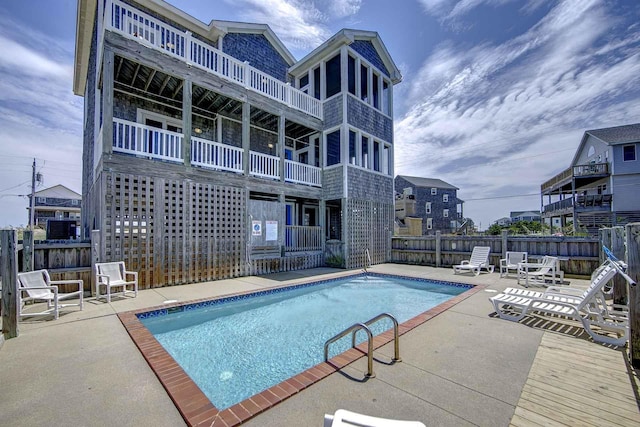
{"x":196,"y":408}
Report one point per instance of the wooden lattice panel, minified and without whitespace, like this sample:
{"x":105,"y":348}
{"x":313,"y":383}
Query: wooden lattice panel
{"x":368,"y":226}
{"x":174,"y":231}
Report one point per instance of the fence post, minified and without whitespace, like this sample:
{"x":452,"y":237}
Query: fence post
{"x":633,"y":270}
{"x":27,"y":250}
{"x":505,"y":238}
{"x":617,"y":246}
{"x":438,"y":248}
{"x":9,"y":274}
{"x":96,"y":256}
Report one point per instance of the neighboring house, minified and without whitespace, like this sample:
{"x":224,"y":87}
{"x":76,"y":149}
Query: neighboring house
{"x":437,"y":203}
{"x":210,"y":152}
{"x":600,"y":188}
{"x":406,"y":222}
{"x":524,"y":216}
{"x":504,"y":221}
{"x":56,"y":203}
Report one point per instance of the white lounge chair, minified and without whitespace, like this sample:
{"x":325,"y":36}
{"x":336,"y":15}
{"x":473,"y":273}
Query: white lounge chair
{"x":479,"y":260}
{"x":538,"y":272}
{"x":38,"y":286}
{"x":344,"y":418}
{"x":589,"y":307}
{"x":114,"y":275}
{"x":511,"y":262}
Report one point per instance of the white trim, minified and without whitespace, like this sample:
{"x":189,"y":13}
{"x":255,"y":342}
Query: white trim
{"x":142,"y":115}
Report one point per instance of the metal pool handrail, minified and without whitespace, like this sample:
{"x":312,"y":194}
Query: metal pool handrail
{"x":396,"y":342}
{"x":353,"y":329}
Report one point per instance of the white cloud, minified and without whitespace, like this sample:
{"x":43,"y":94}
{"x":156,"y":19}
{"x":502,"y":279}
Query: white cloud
{"x":344,"y":8}
{"x":497,"y":118}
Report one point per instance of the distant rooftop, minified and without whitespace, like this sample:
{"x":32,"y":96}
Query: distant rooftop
{"x":617,"y":135}
{"x":428,"y":182}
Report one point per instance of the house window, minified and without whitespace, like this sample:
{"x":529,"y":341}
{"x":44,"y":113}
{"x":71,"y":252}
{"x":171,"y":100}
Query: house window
{"x":74,"y":202}
{"x":364,"y":83}
{"x":386,"y":98}
{"x":352,"y":148}
{"x":351,"y":72}
{"x":333,"y":148}
{"x":376,"y":156}
{"x":429,"y":223}
{"x":375,"y":89}
{"x":316,"y":83}
{"x":333,"y":76}
{"x":159,"y":121}
{"x":41,"y":200}
{"x":445,"y":213}
{"x":445,"y":198}
{"x":365,"y":152}
{"x":629,"y":153}
{"x":434,"y":191}
{"x":427,"y":207}
{"x":304,"y":83}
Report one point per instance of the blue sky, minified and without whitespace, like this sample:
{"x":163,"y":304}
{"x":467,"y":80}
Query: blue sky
{"x":495,"y":98}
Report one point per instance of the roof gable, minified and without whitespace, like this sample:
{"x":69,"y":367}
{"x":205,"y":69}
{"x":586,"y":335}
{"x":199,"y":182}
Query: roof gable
{"x":58,"y":192}
{"x":347,"y":37}
{"x":427,"y":182}
{"x":625,"y":134}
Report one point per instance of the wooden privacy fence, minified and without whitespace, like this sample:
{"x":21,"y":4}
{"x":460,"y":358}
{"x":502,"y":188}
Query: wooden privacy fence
{"x":578,"y":256}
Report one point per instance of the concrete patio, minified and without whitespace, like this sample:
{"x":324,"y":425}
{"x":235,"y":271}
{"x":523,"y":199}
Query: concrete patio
{"x":463,"y":367}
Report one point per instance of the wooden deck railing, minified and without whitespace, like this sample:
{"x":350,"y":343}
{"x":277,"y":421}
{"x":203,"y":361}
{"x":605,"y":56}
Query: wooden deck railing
{"x":300,"y":238}
{"x":155,"y":34}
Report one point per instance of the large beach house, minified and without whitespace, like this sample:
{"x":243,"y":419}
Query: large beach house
{"x":210,"y":152}
{"x":600,"y":187}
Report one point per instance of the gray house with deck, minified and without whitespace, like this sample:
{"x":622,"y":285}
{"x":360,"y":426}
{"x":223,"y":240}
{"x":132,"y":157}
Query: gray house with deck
{"x":600,"y":187}
{"x":210,"y":152}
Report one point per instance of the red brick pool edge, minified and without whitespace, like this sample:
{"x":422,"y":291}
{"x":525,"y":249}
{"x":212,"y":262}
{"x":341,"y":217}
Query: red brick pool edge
{"x":197,"y":409}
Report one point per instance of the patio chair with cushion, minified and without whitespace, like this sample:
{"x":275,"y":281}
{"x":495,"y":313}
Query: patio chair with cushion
{"x":479,"y":259}
{"x":344,"y":418}
{"x":114,"y":275}
{"x":37,"y":286}
{"x":511,"y":262}
{"x":590,"y":307}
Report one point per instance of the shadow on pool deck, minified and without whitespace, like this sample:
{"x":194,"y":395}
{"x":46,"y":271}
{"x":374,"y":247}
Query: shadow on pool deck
{"x":463,"y":367}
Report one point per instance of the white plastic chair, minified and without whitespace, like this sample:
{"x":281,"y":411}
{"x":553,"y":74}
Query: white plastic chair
{"x":511,"y":262}
{"x":114,"y":275}
{"x":479,"y":260}
{"x":38,"y":286}
{"x":344,"y":418}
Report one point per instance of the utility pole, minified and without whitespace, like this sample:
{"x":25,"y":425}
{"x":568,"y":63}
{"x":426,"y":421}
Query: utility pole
{"x":33,"y":195}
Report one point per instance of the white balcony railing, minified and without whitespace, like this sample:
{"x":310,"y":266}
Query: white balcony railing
{"x":214,"y":155}
{"x":142,"y":140}
{"x":134,"y":24}
{"x":264,"y":165}
{"x":302,"y":174}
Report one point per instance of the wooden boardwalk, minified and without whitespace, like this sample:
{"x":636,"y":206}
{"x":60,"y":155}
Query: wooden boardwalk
{"x":576,"y":382}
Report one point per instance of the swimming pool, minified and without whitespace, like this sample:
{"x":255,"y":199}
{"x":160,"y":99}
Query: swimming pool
{"x":248,"y":335}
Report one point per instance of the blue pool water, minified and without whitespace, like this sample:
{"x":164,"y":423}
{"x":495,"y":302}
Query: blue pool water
{"x":235,"y":349}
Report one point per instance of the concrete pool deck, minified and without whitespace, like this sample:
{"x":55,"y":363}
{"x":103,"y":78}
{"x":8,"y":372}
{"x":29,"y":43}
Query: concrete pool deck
{"x":463,"y":367}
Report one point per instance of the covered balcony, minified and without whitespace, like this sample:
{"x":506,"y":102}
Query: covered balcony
{"x":149,"y":122}
{"x":153,"y":33}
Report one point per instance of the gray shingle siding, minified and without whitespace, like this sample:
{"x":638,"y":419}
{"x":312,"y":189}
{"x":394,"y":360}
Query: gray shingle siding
{"x":369,"y":186}
{"x":258,"y":51}
{"x":333,"y":112}
{"x":422,"y":196}
{"x":368,"y":119}
{"x":332,"y":180}
{"x":368,"y":52}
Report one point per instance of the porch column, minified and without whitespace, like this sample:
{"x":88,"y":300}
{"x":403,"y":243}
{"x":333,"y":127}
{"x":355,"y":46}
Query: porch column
{"x":187,"y":99}
{"x":246,"y":133}
{"x":322,"y":222}
{"x":281,"y":146}
{"x":107,"y":101}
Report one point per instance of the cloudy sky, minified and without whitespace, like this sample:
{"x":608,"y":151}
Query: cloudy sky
{"x":495,"y":98}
